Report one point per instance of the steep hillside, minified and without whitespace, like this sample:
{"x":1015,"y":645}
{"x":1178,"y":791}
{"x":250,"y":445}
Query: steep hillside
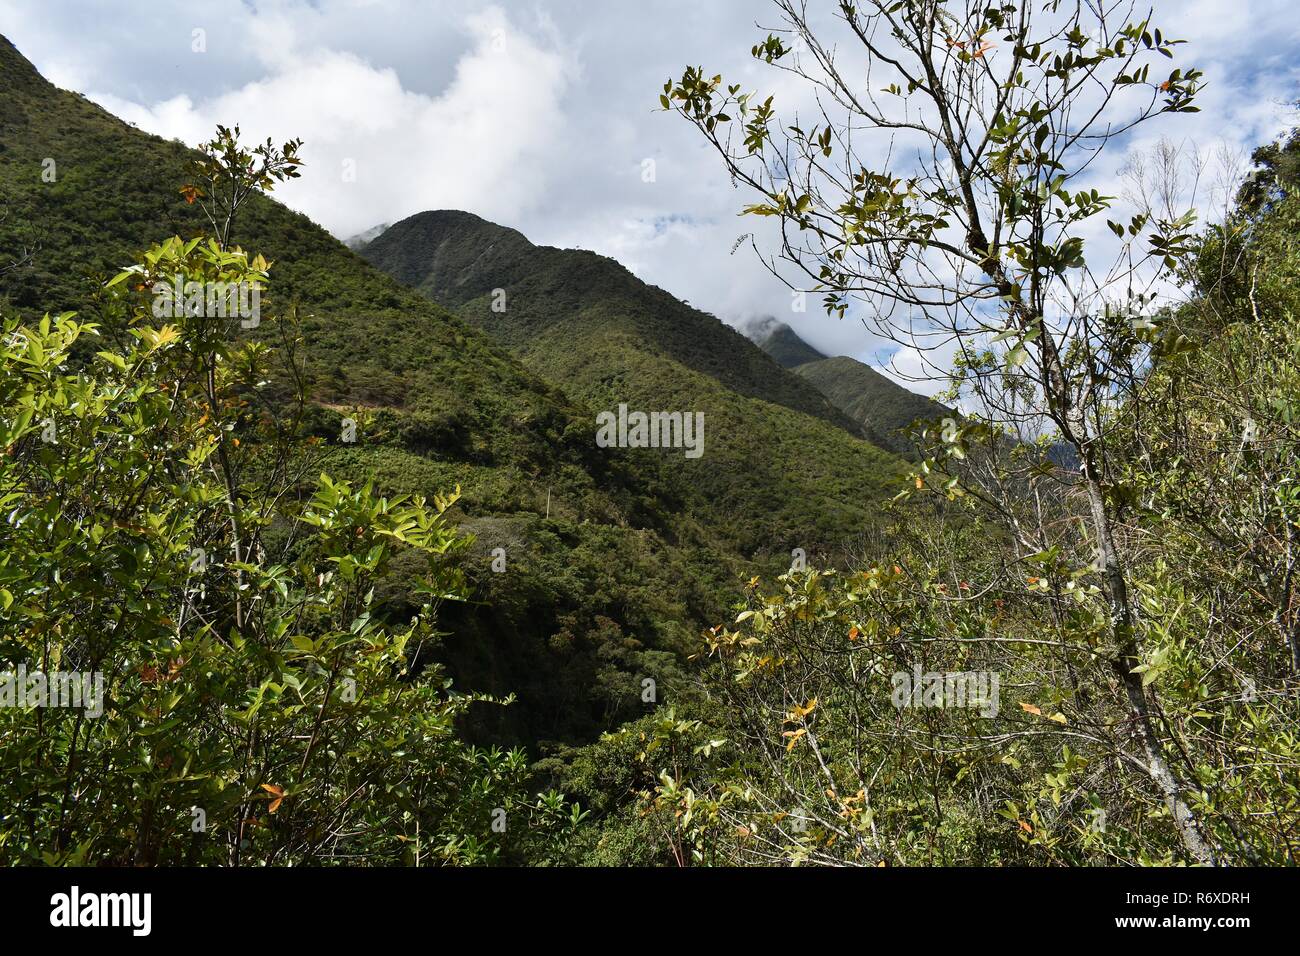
{"x":616,"y":557}
{"x":882,"y":408}
{"x":782,"y":343}
{"x":604,"y":582}
{"x":456,"y":258}
{"x":781,"y":468}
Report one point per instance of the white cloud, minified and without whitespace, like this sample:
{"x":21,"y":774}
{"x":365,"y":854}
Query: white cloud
{"x":548,"y":134}
{"x":376,"y":151}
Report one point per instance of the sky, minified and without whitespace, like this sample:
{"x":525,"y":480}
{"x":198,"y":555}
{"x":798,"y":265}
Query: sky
{"x":542,"y":114}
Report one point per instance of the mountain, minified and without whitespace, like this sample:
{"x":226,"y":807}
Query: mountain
{"x":782,"y":343}
{"x":616,"y":557}
{"x":457,"y":258}
{"x":603,"y":583}
{"x":882,"y":408}
{"x":781,"y":469}
{"x":369,"y":235}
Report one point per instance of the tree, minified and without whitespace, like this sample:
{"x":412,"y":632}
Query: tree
{"x":174,"y":559}
{"x":226,"y":174}
{"x":982,"y":237}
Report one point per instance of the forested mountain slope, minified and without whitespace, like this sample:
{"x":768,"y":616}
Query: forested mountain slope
{"x":781,"y":468}
{"x":615,"y":558}
{"x":602,"y":581}
{"x":882,"y":408}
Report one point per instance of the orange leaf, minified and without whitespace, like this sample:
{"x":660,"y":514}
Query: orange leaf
{"x":1030,"y":708}
{"x":800,"y":712}
{"x":277,"y":793}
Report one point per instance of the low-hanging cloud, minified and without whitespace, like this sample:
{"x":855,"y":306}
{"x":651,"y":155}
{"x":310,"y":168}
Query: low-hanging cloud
{"x":541,"y":115}
{"x":377,"y":152}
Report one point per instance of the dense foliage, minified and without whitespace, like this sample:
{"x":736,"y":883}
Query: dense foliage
{"x":1107,"y":665}
{"x":604,"y":583}
{"x":272,"y":545}
{"x":781,"y":469}
{"x":803,"y":752}
{"x":240,"y":700}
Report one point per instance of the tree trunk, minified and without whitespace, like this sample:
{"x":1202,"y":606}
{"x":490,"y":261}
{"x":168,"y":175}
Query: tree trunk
{"x":1171,"y":788}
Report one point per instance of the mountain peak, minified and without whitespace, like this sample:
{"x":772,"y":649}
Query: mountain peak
{"x":437,"y":223}
{"x":445,"y":243}
{"x":16,"y":71}
{"x":476,"y":267}
{"x":782,"y":343}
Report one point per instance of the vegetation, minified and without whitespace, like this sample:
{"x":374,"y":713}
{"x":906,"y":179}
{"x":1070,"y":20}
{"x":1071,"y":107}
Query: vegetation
{"x":781,"y":469}
{"x":1148,"y":690}
{"x":886,"y":410}
{"x":883,"y":410}
{"x":335,"y":559}
{"x":437,"y":405}
{"x":231,"y":694}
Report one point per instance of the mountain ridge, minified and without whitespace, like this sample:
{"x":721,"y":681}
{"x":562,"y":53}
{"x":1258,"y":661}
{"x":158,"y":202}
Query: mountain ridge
{"x":455,"y":256}
{"x":617,"y":557}
{"x":583,"y":319}
{"x":881,"y":407}
{"x":604,"y":581}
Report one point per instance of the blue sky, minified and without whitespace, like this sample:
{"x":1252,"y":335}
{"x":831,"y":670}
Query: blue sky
{"x":539,"y":115}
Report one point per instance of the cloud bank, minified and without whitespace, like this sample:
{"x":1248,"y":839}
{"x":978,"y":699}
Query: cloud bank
{"x":539,"y":115}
